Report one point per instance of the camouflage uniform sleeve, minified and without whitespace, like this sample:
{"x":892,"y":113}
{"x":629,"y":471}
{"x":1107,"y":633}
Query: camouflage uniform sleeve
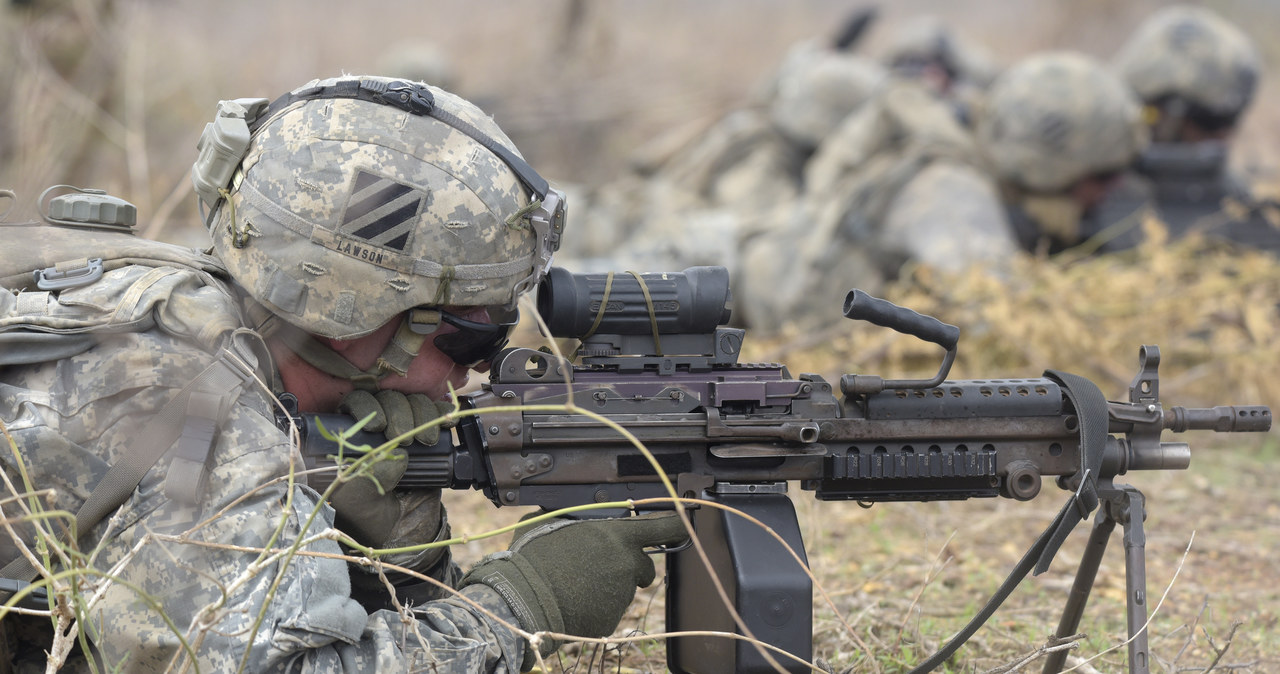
{"x":189,"y":583}
{"x":949,"y":216}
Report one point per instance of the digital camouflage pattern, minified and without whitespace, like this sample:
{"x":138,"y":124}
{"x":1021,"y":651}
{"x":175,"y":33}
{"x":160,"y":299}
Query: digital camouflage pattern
{"x":927,"y":39}
{"x":817,"y":88}
{"x":851,"y":227}
{"x":703,"y":200}
{"x":357,"y":211}
{"x":1197,"y":73}
{"x":80,"y":414}
{"x":1193,"y":54}
{"x":1057,"y":117}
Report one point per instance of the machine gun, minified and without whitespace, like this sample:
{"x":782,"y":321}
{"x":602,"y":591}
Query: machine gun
{"x":657,"y":359}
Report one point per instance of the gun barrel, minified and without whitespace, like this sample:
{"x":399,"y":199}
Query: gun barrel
{"x":1223,"y":419}
{"x":1161,"y":456}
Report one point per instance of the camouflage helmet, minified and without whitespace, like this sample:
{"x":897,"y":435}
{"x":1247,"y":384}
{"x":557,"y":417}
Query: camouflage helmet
{"x":358,"y":198}
{"x":1193,"y":54}
{"x":817,"y":88}
{"x":927,"y":39}
{"x":1056,"y":118}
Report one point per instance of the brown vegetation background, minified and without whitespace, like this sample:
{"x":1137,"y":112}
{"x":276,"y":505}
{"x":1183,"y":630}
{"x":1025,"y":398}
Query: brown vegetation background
{"x":114,"y":94}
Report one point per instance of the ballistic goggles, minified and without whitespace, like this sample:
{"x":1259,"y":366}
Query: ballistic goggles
{"x":471,"y":342}
{"x":1208,"y":119}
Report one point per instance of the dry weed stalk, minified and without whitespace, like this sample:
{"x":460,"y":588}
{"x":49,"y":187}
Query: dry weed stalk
{"x":1210,"y":307}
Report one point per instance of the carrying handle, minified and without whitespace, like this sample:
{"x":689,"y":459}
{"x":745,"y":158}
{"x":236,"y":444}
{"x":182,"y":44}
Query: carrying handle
{"x":860,"y":306}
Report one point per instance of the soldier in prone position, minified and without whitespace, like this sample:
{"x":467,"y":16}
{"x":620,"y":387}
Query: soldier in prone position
{"x":376,"y":235}
{"x":902,"y":181}
{"x":1196,"y":75}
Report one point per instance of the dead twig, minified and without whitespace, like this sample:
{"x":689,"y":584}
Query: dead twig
{"x":1219,"y":652}
{"x":1051,"y":645}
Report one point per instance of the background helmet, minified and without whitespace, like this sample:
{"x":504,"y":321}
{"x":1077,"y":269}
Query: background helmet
{"x":817,"y":88}
{"x":1193,"y":54}
{"x":1058,"y":117}
{"x":351,"y":206}
{"x":927,"y":40}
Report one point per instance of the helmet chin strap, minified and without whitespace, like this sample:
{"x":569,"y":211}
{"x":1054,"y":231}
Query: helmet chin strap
{"x":394,"y":359}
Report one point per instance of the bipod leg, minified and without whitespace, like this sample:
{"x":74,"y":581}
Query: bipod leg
{"x":1103,"y":525}
{"x":1135,"y":572}
{"x":1124,"y":505}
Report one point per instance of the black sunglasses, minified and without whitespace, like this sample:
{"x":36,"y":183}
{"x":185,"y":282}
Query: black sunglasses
{"x":473,"y":342}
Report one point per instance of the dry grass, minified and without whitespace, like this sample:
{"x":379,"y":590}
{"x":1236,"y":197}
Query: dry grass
{"x":116,"y":98}
{"x":1210,"y":308}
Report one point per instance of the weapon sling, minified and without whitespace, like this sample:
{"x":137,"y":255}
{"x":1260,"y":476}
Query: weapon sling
{"x":1091,"y":411}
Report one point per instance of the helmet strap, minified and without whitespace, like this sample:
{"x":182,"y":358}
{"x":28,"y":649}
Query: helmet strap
{"x":402,"y":349}
{"x":395,"y":358}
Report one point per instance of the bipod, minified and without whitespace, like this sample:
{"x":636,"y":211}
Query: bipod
{"x":1124,"y":504}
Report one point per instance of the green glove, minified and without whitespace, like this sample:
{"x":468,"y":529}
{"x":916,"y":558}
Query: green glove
{"x":362,"y":510}
{"x":576,"y":576}
{"x":397,"y":413}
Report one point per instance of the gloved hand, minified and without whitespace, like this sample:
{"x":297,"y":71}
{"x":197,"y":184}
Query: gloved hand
{"x":397,"y":413}
{"x":395,"y":518}
{"x":370,"y":515}
{"x":576,"y":576}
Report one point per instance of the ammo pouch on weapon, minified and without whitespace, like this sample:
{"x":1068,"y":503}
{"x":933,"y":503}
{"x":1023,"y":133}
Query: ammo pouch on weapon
{"x":65,"y":289}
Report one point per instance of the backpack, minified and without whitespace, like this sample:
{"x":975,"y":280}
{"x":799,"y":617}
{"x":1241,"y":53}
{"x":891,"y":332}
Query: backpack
{"x":801,"y":266}
{"x":859,"y":171}
{"x":65,"y":286}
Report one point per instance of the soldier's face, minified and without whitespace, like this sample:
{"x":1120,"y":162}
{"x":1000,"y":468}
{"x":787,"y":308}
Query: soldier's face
{"x":431,"y":372}
{"x":1190,"y":132}
{"x":1090,"y":191}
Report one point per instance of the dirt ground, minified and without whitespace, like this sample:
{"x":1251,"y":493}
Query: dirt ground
{"x":904,"y":577}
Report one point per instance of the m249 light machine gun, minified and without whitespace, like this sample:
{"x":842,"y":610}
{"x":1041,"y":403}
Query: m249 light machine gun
{"x":657,"y":360}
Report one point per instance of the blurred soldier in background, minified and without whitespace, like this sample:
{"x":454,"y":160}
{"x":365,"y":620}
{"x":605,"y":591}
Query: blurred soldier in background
{"x":831,"y":238}
{"x":694,"y":205}
{"x":749,"y":168}
{"x":913,"y":186}
{"x":927,"y":50}
{"x":1196,"y":75}
{"x":1058,"y":133}
{"x":754,"y":158}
